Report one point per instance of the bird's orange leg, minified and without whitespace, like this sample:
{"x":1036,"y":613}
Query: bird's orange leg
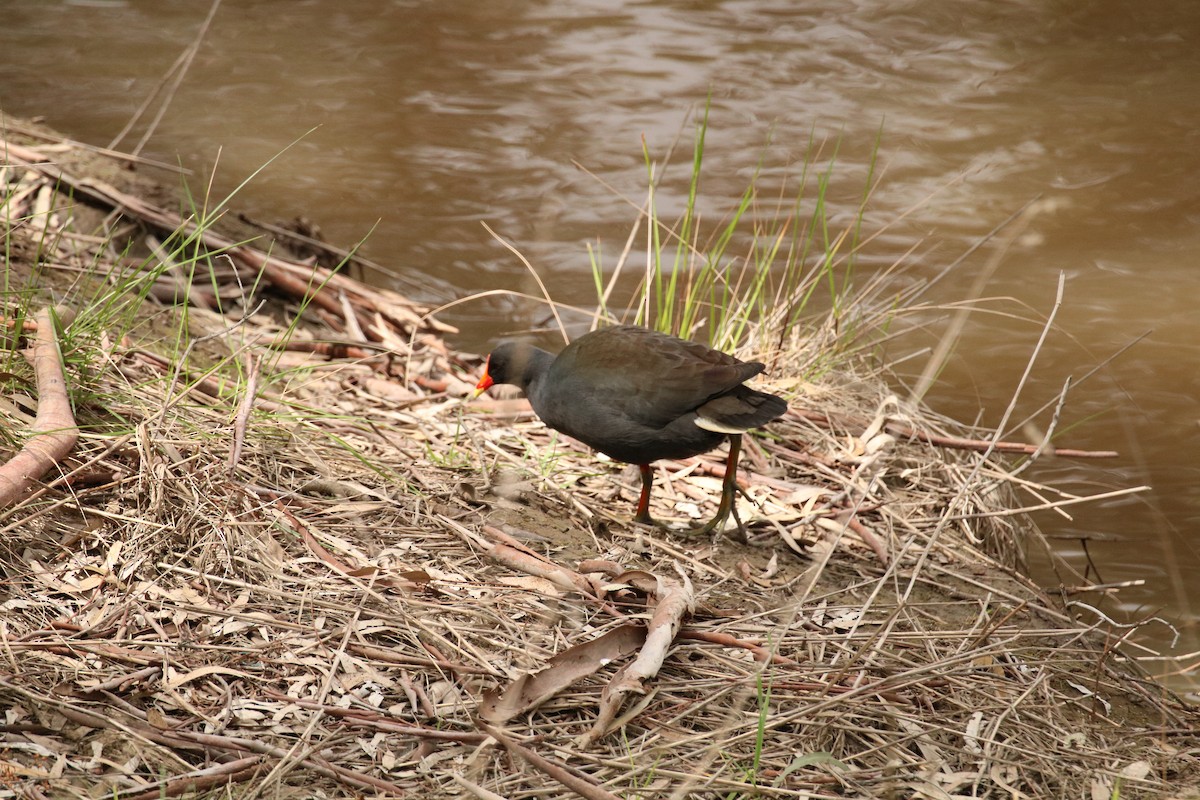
{"x":643,"y":507}
{"x":729,"y":490}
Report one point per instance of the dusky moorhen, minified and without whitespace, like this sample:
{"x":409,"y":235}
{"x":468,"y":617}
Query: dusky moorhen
{"x":637,"y":395}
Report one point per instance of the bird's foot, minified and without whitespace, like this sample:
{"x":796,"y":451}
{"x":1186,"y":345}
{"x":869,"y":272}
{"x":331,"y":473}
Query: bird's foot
{"x":715,"y":526}
{"x":644,"y":518}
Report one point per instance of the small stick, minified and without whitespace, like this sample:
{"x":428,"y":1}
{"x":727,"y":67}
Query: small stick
{"x":123,"y":680}
{"x":1104,"y":587}
{"x":242,"y":420}
{"x":759,"y":652}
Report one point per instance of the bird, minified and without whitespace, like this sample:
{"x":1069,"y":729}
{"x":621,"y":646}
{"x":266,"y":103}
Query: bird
{"x":638,"y":396}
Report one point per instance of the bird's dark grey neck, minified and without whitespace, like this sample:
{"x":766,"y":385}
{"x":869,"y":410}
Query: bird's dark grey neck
{"x":533,"y":371}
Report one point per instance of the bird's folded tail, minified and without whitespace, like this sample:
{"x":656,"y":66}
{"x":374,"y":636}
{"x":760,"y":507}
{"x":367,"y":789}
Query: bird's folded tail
{"x":740,"y":411}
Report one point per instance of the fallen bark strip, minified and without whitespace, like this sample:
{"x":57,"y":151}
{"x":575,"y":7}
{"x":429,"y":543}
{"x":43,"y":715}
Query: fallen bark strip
{"x":510,"y":552}
{"x":676,"y":599}
{"x":53,"y":432}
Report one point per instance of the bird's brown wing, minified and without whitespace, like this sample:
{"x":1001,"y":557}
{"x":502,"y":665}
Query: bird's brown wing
{"x":653,"y":377}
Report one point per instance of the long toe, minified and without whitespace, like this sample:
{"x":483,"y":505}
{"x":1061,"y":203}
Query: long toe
{"x":717,"y":524}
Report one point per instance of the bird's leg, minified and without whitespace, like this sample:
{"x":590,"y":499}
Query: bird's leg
{"x":643,"y":507}
{"x":729,"y":489}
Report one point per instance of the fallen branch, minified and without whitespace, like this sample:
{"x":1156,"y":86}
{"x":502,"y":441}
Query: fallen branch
{"x":308,"y":283}
{"x":377,"y":721}
{"x":53,"y":433}
{"x":952,"y":442}
{"x":228,"y":745}
{"x":237,"y":771}
{"x":580,"y":784}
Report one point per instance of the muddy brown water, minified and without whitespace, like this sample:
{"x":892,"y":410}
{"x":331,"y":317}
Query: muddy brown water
{"x":409,"y":123}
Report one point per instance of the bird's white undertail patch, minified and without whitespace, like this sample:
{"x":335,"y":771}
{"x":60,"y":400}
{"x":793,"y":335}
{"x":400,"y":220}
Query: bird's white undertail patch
{"x":713,"y":425}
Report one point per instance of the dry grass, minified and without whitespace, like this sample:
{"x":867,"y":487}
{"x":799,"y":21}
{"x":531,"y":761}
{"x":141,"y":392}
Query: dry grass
{"x":299,"y":601}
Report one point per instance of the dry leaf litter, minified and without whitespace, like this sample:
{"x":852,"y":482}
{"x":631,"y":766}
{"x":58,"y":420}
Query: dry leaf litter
{"x":354,"y":583}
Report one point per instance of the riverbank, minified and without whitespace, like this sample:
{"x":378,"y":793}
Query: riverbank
{"x":284,"y":555}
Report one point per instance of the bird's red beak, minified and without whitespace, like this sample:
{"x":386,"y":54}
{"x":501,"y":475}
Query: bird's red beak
{"x":485,"y":382}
